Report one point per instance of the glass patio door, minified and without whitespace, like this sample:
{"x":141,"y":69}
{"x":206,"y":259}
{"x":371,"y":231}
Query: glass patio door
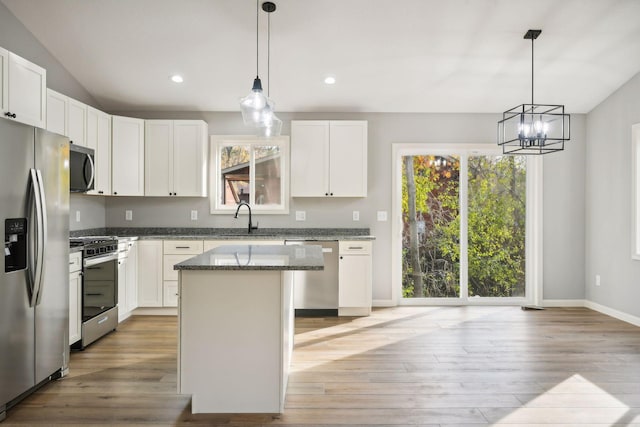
{"x":464,"y":223}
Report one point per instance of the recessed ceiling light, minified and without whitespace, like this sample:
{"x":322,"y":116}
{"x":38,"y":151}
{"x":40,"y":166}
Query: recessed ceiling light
{"x":177,"y":78}
{"x":330,"y":80}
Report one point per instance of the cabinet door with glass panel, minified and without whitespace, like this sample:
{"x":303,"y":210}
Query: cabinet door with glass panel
{"x":251,"y":170}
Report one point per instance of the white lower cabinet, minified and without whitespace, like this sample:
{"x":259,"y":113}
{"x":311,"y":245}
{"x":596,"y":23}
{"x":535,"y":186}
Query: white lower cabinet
{"x":158,"y":281}
{"x":170,"y":293}
{"x":354,"y":278}
{"x":75,"y":297}
{"x":150,"y":273}
{"x":175,"y":251}
{"x":132,"y":277}
{"x":127,"y":275}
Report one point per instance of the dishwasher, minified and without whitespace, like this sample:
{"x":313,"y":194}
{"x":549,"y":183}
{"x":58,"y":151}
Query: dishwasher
{"x":315,"y":293}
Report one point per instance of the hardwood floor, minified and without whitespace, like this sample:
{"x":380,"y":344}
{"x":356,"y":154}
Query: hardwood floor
{"x":428,"y":366}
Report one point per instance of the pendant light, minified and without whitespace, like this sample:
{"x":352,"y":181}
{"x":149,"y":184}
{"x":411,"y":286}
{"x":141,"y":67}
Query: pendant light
{"x":257,"y":108}
{"x":533,"y":128}
{"x":270,"y":125}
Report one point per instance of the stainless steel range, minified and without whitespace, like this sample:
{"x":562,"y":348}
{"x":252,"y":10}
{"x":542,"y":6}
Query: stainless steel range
{"x":99,"y":287}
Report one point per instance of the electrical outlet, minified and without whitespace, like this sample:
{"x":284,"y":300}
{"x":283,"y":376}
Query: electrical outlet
{"x":382,"y":215}
{"x":194,"y":215}
{"x":128,"y":215}
{"x":597,"y":280}
{"x":356,"y":215}
{"x":301,"y":216}
{"x":77,"y":216}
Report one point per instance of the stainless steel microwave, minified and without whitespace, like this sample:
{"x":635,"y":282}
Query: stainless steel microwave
{"x":81,"y":168}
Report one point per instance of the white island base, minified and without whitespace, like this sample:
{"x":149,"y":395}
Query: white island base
{"x":236,"y":339}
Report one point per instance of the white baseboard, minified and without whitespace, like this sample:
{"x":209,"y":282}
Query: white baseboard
{"x":123,"y":316}
{"x":564,"y":303}
{"x":155,"y":311}
{"x":634,"y":320}
{"x":384,"y":303}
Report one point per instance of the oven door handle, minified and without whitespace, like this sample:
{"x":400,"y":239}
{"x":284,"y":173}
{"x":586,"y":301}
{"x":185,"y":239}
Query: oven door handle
{"x":88,"y":262}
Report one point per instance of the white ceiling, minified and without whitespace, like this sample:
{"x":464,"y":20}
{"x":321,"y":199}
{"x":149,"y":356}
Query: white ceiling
{"x":387,"y":56}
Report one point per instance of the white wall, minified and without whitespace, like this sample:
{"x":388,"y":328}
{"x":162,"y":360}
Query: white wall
{"x":609,"y":201}
{"x":563,"y":191}
{"x":15,"y":37}
{"x":91,"y":209}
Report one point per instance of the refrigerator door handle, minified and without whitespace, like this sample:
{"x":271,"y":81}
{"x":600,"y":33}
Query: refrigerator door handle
{"x":43,"y":232}
{"x":93,"y":170}
{"x":36,"y":266}
{"x":33,"y":269}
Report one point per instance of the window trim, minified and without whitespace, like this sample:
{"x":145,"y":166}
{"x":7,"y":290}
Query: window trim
{"x":534,"y":224}
{"x":218,"y":141}
{"x":635,"y":196}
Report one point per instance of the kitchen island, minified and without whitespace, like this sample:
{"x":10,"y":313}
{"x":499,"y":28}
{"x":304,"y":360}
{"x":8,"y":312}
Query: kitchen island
{"x":236,"y":326}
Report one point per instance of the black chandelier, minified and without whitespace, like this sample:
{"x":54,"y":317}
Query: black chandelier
{"x":533,"y":128}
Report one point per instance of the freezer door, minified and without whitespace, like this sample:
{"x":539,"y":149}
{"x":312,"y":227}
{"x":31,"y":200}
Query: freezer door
{"x":52,"y":307}
{"x":16,"y":317}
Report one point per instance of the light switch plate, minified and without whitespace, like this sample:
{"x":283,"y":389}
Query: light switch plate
{"x":382,"y":215}
{"x":128,"y":215}
{"x":301,"y":216}
{"x":356,"y":215}
{"x":194,"y":215}
{"x":77,"y":216}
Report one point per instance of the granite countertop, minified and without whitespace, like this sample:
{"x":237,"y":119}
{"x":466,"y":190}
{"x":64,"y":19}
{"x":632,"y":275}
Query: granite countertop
{"x":256,"y":257}
{"x":167,"y":233}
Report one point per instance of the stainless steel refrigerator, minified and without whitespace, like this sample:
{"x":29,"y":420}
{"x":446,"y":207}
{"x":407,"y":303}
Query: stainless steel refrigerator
{"x":34,"y":276}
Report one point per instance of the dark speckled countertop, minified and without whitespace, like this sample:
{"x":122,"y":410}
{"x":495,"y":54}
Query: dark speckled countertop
{"x":165,"y":233}
{"x":256,"y":257}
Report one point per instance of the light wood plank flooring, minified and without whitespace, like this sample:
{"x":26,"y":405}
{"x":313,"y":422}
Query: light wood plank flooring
{"x":428,"y":366}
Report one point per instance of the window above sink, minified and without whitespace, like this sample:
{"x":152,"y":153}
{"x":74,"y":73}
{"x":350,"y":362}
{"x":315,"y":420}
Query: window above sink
{"x":252,"y":170}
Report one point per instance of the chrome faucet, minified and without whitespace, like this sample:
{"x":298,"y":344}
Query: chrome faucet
{"x":241,"y":204}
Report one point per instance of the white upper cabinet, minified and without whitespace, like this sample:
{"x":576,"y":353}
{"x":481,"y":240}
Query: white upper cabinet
{"x":127,"y":161}
{"x":158,"y":144}
{"x":309,"y":158}
{"x":4,"y":81}
{"x":57,"y":105}
{"x":328,"y":158}
{"x":67,"y":117}
{"x":175,"y":158}
{"x":24,"y":90}
{"x":77,"y":122}
{"x":98,"y":130}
